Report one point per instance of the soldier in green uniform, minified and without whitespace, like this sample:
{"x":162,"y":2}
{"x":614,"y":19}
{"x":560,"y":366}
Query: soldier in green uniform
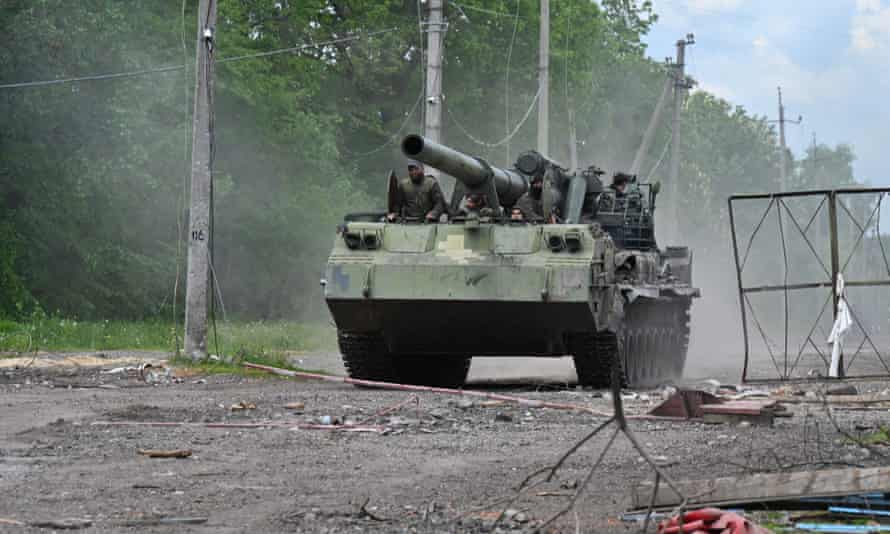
{"x":420,"y":196}
{"x":531,"y":205}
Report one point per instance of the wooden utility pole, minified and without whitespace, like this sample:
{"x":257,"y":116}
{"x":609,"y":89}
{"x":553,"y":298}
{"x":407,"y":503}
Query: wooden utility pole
{"x":544,"y":80}
{"x":435,"y":28}
{"x":197,"y":290}
{"x":680,"y":86}
{"x":653,"y":126}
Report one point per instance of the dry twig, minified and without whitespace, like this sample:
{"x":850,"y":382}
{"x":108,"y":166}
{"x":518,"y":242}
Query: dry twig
{"x":620,"y":420}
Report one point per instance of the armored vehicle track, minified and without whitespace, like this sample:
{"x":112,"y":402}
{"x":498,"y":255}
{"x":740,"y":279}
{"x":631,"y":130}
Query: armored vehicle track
{"x":654,"y":341}
{"x":366,"y":357}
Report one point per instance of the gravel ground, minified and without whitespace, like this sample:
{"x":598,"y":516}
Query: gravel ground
{"x":440,"y":466}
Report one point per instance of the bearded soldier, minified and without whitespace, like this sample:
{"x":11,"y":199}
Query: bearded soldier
{"x":420,"y":196}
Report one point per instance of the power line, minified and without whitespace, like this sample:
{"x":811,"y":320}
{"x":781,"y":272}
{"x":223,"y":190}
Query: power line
{"x":92,"y":78}
{"x":509,"y":136}
{"x":306,"y":46}
{"x":483,"y":10}
{"x":171,"y":68}
{"x":395,"y":135}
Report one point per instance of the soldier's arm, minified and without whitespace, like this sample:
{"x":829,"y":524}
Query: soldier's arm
{"x":527,"y":207}
{"x":438,"y":202}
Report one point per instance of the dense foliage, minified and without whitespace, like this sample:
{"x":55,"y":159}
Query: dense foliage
{"x":93,"y":174}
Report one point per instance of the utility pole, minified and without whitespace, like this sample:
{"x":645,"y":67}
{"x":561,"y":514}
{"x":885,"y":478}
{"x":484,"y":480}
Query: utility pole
{"x":435,"y":27}
{"x":783,"y":163}
{"x":544,"y":80}
{"x":197,"y":281}
{"x":573,"y":142}
{"x":680,"y":86}
{"x":653,"y":126}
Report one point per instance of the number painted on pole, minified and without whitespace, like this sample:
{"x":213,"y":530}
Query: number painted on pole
{"x":197,"y":235}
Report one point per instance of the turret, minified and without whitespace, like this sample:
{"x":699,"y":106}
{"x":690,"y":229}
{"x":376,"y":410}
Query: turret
{"x":502,"y":187}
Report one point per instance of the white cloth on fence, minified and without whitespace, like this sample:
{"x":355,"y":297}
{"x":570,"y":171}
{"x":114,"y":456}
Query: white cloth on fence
{"x":842,"y":323}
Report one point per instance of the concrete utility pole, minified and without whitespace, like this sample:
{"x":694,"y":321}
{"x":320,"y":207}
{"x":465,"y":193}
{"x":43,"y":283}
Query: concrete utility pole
{"x":680,"y":86}
{"x":435,"y":28}
{"x":783,"y":162}
{"x":544,"y":80}
{"x":653,"y":126}
{"x":197,"y":281}
{"x":573,"y":142}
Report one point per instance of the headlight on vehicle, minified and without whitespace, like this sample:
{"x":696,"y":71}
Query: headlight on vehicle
{"x":573,"y":241}
{"x":555,"y":242}
{"x":371,"y":240}
{"x":352,"y":240}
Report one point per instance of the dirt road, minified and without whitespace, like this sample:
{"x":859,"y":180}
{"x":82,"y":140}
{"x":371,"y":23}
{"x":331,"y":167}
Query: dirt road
{"x":439,"y":467}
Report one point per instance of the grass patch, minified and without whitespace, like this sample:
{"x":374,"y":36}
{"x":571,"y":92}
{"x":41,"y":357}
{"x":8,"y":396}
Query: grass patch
{"x":878,"y":437}
{"x":234,"y":366}
{"x":268,"y":340}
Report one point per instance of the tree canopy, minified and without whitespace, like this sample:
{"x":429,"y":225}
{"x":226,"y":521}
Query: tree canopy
{"x":94,"y":174}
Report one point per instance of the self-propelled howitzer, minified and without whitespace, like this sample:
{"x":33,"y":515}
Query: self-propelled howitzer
{"x":415,"y":301}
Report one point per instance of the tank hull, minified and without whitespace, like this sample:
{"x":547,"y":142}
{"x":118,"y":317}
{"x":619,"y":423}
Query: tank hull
{"x":414,"y":302}
{"x":478,"y":328}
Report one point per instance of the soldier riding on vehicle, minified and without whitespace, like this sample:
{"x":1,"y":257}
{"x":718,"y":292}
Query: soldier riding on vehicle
{"x":419,"y":196}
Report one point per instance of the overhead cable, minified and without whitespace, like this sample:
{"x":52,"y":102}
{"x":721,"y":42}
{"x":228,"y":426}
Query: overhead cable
{"x":392,"y":138}
{"x":482,"y":10}
{"x":171,"y":68}
{"x":508,"y":137}
{"x":306,"y":46}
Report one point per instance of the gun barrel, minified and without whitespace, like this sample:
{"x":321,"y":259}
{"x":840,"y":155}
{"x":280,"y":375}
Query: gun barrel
{"x":472,"y":172}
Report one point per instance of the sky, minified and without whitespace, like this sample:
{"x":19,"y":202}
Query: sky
{"x":831,"y":58}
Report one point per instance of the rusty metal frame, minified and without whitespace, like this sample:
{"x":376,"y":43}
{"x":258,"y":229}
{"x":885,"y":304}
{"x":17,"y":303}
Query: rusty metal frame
{"x":833,"y":198}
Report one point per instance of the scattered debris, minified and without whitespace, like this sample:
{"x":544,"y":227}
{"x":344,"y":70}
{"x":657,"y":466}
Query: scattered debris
{"x":828,"y":527}
{"x":685,"y":404}
{"x":848,"y":389}
{"x":869,"y":500}
{"x":858,"y":511}
{"x":329,"y":420}
{"x":503,"y":417}
{"x":465,"y":404}
{"x":531,"y":403}
{"x":156,"y":521}
{"x":157,"y":453}
{"x":295,"y":406}
{"x":758,"y":412}
{"x":364,"y":512}
{"x":242,"y":405}
{"x":710,"y":386}
{"x":61,"y":524}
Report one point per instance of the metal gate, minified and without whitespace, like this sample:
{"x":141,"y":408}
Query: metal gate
{"x":817,"y":237}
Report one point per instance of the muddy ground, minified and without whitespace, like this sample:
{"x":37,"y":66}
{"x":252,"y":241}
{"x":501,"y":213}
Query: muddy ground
{"x":437,"y":465}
